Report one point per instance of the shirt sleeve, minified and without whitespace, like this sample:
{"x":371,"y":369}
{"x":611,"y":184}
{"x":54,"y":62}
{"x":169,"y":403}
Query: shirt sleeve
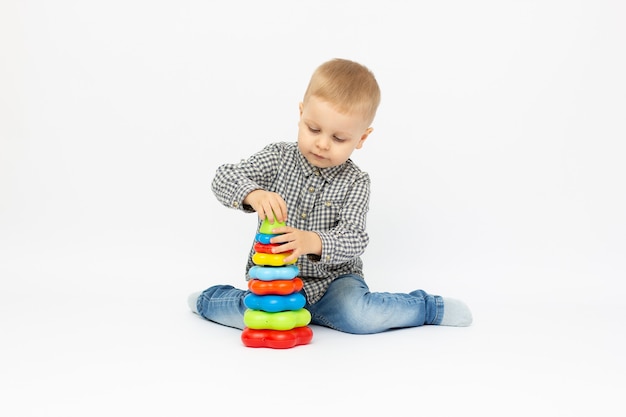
{"x":348,"y":239}
{"x":233,"y":182}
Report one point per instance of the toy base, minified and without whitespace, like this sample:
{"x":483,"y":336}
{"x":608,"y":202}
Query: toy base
{"x":276,"y":339}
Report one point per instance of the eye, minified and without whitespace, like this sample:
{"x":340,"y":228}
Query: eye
{"x":313,"y":130}
{"x":338,"y":139}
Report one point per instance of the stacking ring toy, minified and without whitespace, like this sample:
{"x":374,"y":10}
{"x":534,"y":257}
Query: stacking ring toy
{"x":266,"y":248}
{"x":276,"y":339}
{"x":283,"y":320}
{"x":276,"y":272}
{"x":275,"y":316}
{"x":278,"y":287}
{"x":271,"y":259}
{"x":263,"y":238}
{"x":275,"y":303}
{"x":267,"y":227}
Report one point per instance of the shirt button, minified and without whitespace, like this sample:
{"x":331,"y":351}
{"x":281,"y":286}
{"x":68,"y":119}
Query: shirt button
{"x":317,"y":173}
{"x":235,"y":204}
{"x":328,"y":204}
{"x":311,"y":189}
{"x":327,"y":258}
{"x":303,"y":215}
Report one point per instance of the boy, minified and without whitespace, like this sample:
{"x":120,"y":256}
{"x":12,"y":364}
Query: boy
{"x":323,"y":197}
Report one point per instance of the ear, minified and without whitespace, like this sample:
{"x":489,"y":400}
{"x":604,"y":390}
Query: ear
{"x":363,"y":137}
{"x":300,"y":107}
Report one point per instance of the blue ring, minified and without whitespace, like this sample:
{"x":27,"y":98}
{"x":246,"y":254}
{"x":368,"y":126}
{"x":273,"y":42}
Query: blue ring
{"x":263,"y":238}
{"x":271,"y":273}
{"x":275,"y":303}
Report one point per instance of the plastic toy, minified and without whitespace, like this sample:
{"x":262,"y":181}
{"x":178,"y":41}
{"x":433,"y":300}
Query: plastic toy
{"x":277,"y":287}
{"x":277,"y":339}
{"x":282,"y":320}
{"x":274,"y":303}
{"x":266,"y":247}
{"x":278,"y":272}
{"x":267,"y":227}
{"x":271,"y":259}
{"x":263,"y":238}
{"x":275,"y":316}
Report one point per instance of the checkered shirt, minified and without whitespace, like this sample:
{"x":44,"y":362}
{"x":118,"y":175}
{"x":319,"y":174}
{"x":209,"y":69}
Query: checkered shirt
{"x":333,"y":202}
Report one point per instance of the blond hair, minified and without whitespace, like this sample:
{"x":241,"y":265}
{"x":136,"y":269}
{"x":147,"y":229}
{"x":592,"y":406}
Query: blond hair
{"x":348,"y":85}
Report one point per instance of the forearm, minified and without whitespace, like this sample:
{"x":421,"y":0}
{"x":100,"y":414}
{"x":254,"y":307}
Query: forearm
{"x":340,"y":245}
{"x":231,"y":187}
{"x":234,"y":182}
{"x":296,"y":242}
{"x":348,"y":238}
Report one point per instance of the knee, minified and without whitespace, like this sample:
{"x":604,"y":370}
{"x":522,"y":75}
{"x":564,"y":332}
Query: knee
{"x":219,"y":292}
{"x":356,"y":318}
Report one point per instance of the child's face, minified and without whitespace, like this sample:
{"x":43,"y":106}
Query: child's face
{"x":327,"y":137}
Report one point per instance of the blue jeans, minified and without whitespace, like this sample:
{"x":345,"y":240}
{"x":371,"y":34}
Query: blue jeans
{"x":347,"y":306}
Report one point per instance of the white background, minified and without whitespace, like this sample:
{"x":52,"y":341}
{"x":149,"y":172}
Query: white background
{"x":498,"y":178}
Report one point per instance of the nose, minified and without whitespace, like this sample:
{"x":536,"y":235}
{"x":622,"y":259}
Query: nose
{"x":322,"y":142}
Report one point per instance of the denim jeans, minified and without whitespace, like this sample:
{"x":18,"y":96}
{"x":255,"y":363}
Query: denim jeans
{"x":347,"y":306}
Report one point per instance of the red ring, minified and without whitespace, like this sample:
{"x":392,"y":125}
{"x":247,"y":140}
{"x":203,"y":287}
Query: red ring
{"x":278,"y":287}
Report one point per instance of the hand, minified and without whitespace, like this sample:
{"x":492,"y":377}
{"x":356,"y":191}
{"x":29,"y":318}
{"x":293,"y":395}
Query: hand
{"x":267,"y":205}
{"x":300,"y":242}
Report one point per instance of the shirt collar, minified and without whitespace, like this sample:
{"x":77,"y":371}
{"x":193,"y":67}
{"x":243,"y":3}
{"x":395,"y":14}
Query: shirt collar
{"x":328,"y":174}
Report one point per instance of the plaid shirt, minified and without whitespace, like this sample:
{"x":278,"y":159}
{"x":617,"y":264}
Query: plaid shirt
{"x":333,"y":202}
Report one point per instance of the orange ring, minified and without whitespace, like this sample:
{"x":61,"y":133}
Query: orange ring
{"x":278,"y":287}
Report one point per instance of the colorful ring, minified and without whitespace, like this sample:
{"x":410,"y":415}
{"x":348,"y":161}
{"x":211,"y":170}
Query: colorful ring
{"x":263,"y":238}
{"x":267,"y":227}
{"x":271,"y":259}
{"x":266,"y":247}
{"x":270,"y":273}
{"x":275,"y":303}
{"x":283,"y":320}
{"x":277,"y":287}
{"x":276,"y":339}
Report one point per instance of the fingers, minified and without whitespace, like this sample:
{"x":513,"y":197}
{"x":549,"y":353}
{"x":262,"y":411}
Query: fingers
{"x":287,"y":239}
{"x":298,"y":242}
{"x":292,"y":256}
{"x":286,"y":248}
{"x":266,"y":212}
{"x":279,"y":209}
{"x":270,"y":206}
{"x":282,"y":239}
{"x":282,"y":231}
